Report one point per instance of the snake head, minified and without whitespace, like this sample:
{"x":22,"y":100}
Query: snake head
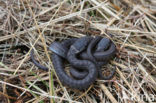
{"x":81,"y":44}
{"x":103,"y":44}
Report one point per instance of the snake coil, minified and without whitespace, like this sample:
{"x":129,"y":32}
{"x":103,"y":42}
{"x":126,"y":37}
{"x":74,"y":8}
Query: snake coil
{"x":86,"y":55}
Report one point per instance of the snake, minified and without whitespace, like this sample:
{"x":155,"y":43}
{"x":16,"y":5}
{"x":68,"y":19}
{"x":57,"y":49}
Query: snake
{"x":84,"y":61}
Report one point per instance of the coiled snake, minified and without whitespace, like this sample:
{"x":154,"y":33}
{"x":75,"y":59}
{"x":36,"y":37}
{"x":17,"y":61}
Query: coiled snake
{"x":86,"y":55}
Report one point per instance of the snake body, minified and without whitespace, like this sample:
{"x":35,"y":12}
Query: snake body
{"x":81,"y":64}
{"x":103,"y":44}
{"x":86,"y":55}
{"x":37,"y":63}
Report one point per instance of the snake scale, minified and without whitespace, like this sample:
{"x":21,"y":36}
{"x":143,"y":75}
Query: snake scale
{"x":86,"y":55}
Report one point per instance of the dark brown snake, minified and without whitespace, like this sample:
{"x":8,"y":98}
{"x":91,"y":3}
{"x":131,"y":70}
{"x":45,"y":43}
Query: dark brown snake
{"x":86,"y":56}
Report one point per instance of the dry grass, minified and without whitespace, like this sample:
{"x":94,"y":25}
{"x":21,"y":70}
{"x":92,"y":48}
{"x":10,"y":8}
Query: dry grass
{"x":37,"y":23}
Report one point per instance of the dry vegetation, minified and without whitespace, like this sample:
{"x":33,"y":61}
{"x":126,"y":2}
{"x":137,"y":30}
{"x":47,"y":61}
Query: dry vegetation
{"x":27,"y":24}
